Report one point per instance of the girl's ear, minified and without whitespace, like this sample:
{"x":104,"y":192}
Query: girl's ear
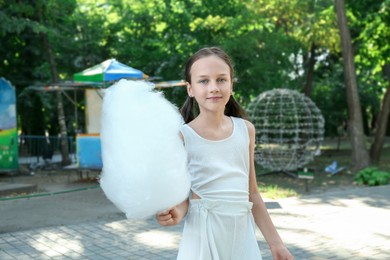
{"x":189,"y":89}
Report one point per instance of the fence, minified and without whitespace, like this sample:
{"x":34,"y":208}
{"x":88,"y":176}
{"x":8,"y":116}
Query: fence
{"x":37,"y":151}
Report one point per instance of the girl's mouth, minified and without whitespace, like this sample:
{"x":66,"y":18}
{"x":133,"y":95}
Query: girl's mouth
{"x":214,"y":98}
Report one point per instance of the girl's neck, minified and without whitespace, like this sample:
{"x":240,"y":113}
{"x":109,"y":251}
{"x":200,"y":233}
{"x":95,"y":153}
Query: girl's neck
{"x":212,"y":126}
{"x":212,"y":120}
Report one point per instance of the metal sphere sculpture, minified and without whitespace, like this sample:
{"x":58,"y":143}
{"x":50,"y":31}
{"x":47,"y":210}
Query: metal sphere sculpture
{"x":289,"y":129}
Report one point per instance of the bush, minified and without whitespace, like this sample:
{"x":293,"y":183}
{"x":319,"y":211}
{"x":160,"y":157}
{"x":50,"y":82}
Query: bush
{"x":372,"y":177}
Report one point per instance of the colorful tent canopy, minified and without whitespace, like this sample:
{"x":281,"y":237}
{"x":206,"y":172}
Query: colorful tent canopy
{"x":8,"y":128}
{"x":108,"y":70}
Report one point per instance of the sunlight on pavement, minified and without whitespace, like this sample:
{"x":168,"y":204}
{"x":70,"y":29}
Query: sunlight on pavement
{"x":56,"y":244}
{"x":122,"y":225}
{"x":351,"y":225}
{"x":158,"y":239}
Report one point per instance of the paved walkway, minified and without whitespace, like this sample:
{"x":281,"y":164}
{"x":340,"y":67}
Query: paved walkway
{"x":350,"y":224}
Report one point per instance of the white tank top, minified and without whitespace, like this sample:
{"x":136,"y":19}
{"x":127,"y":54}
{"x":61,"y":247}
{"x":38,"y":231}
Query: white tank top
{"x":219,"y":170}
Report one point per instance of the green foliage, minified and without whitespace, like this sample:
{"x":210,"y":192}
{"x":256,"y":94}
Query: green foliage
{"x":372,"y":177}
{"x":275,"y":191}
{"x":330,"y":96}
{"x":254,"y":74}
{"x":268,"y":40}
{"x":369,"y":23}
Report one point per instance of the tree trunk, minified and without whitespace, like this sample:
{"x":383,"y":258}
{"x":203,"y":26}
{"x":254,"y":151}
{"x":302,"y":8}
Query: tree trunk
{"x":381,"y":126}
{"x":310,"y":72}
{"x":360,"y":157}
{"x":60,"y":104}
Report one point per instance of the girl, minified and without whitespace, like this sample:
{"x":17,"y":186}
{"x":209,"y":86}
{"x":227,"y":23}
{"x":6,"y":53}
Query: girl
{"x":224,"y":203}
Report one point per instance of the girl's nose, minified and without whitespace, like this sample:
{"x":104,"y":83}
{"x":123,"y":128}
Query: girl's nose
{"x":213,"y":87}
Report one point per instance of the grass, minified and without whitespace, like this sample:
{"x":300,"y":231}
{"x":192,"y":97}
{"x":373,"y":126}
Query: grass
{"x":275,"y":191}
{"x":279,"y":185}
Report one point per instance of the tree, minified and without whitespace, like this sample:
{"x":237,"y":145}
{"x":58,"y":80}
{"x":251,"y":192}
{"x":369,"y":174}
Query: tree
{"x":44,"y":12}
{"x":35,"y":22}
{"x":370,"y":25}
{"x":360,"y":157}
{"x":60,"y":104}
{"x":273,"y":44}
{"x":382,"y":122}
{"x":311,"y":23}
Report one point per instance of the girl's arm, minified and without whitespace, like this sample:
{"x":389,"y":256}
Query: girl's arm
{"x":259,"y":210}
{"x":174,"y":215}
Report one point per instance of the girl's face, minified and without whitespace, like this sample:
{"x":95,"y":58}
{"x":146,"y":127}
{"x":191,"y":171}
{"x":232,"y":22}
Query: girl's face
{"x":211,"y":83}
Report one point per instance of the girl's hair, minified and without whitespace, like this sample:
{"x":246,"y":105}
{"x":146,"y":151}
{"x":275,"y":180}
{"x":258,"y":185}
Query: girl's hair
{"x":232,"y":107}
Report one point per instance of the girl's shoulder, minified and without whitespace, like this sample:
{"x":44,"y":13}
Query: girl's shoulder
{"x":249,"y":126}
{"x":248,"y":123}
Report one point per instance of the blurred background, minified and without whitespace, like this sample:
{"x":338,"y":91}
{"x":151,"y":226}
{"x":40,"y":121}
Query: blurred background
{"x":298,"y":45}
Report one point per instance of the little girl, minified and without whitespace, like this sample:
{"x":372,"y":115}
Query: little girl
{"x":224,"y":203}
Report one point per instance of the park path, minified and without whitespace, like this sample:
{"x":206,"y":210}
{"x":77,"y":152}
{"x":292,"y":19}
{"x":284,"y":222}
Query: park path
{"x":348,"y":224}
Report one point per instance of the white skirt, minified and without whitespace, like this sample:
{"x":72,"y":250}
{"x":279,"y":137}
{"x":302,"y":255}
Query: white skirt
{"x":219,"y":230}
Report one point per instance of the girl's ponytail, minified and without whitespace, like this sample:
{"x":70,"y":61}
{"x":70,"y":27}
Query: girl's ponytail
{"x":187,"y":110}
{"x":232,"y":108}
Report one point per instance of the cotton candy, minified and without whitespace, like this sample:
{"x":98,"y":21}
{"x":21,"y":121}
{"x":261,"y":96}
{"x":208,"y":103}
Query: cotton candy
{"x":144,"y":160}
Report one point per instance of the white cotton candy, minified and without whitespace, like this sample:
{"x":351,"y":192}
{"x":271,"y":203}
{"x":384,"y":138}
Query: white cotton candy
{"x":144,"y":160}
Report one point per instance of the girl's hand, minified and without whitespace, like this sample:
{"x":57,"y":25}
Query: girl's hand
{"x":280,"y":252}
{"x":169,"y":217}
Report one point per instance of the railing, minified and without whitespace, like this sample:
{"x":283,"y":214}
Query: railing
{"x":37,"y":151}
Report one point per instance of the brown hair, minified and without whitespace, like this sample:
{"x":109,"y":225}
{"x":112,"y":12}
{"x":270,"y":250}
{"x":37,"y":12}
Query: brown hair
{"x":232,"y":107}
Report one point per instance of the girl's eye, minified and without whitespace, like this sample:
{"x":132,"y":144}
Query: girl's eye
{"x":203,"y":81}
{"x":221,"y":80}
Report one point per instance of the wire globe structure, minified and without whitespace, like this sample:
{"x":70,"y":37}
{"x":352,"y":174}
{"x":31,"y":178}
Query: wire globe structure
{"x":289,"y":129}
